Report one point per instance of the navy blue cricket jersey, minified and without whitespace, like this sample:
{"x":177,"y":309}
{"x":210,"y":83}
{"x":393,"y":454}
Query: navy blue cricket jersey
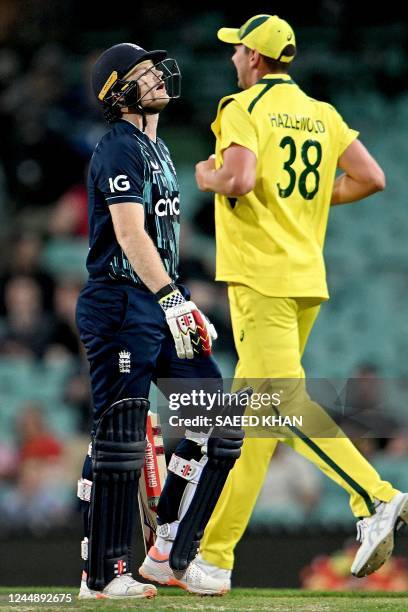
{"x":127,"y":166}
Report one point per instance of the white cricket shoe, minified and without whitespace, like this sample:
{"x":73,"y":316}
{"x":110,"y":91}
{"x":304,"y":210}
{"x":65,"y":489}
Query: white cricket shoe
{"x":121,"y":587}
{"x":376,"y":534}
{"x":194,"y":579}
{"x":214,"y":571}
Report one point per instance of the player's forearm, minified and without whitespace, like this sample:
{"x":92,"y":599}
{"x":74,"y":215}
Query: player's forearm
{"x":226,"y":183}
{"x":145,"y":260}
{"x":347,"y":190}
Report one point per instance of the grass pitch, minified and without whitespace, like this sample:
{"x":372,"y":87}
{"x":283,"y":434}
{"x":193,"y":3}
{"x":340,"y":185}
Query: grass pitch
{"x":281,"y":600}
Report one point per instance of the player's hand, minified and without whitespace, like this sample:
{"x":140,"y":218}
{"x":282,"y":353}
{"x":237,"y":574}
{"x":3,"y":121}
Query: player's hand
{"x":201,"y":171}
{"x":192,"y":332}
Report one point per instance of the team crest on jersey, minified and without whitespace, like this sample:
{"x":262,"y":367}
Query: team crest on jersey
{"x":124,"y":362}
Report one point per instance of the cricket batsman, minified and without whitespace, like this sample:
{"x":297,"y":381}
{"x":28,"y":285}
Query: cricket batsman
{"x":137,"y":326}
{"x":274,"y":176}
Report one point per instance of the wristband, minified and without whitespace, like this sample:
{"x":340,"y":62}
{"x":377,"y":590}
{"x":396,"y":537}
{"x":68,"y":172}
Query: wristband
{"x":161,"y":293}
{"x":169,"y":296}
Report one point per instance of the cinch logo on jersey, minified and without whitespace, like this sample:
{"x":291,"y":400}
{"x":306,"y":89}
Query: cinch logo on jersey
{"x":167,"y":206}
{"x":119,"y":183}
{"x":303,"y":124}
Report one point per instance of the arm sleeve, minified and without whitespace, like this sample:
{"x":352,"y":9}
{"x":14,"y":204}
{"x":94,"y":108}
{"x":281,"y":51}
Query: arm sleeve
{"x":346,"y":135}
{"x":236,"y":127}
{"x":121,"y":173}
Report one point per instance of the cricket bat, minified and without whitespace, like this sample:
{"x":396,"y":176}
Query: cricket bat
{"x":152,"y":479}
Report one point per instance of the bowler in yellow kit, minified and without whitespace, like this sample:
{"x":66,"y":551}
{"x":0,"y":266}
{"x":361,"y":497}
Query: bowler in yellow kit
{"x":274,"y":176}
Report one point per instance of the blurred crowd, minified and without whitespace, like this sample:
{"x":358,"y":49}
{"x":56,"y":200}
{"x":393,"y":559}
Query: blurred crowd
{"x":36,"y":483}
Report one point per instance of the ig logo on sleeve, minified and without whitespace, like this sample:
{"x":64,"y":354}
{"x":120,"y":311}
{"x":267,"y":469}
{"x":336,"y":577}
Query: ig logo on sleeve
{"x":119,"y":183}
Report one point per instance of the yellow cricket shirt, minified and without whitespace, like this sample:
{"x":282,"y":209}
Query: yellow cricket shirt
{"x":272,"y":238}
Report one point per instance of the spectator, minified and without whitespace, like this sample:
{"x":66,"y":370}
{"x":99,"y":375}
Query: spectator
{"x":32,"y":148}
{"x":291,"y":489}
{"x":22,"y":256}
{"x":77,"y":395}
{"x":35,"y":441}
{"x":367,"y":412}
{"x":27,"y":329}
{"x":41,"y":496}
{"x":70,"y":215}
{"x":397,"y":447}
{"x":38,"y":500}
{"x":63,"y":341}
{"x":8,"y":461}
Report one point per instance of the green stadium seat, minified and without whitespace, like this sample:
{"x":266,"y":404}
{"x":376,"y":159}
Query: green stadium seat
{"x":66,"y":257}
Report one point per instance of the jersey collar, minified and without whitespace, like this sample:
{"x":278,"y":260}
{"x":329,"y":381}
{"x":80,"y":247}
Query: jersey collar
{"x":275,"y":78}
{"x":136,"y":130}
{"x":130,"y":124}
{"x":275,"y":75}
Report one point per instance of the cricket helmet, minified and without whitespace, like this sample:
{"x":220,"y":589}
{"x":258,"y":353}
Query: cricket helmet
{"x":110,"y":84}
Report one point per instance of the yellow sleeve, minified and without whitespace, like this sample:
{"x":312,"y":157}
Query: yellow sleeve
{"x":346,"y":135}
{"x":236,"y":127}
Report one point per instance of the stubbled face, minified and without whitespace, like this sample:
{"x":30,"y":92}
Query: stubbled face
{"x":152,"y":89}
{"x":240,"y":59}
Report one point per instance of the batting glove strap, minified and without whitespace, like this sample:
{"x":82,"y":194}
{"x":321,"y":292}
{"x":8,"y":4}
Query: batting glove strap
{"x":172,"y":299}
{"x":169,"y":296}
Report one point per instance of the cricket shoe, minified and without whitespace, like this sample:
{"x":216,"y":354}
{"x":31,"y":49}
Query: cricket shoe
{"x":121,"y":587}
{"x":376,"y":534}
{"x":213,"y":571}
{"x":194,"y":579}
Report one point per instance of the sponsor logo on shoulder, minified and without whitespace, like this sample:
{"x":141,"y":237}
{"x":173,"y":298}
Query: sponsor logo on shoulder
{"x":119,"y":183}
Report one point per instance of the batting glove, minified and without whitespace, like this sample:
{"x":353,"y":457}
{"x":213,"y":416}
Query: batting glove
{"x":192,"y":332}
